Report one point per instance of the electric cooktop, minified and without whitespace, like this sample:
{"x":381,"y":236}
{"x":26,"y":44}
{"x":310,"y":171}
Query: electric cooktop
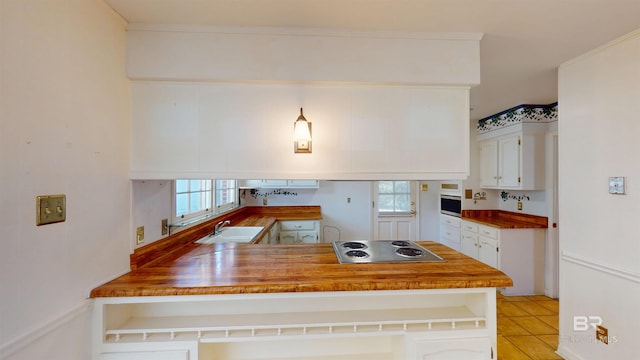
{"x":380,"y":251}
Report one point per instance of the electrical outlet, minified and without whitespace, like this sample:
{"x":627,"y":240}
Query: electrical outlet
{"x":602,"y":334}
{"x":265,"y":201}
{"x":139,"y":235}
{"x":519,"y":205}
{"x":50,"y":209}
{"x":165,"y":226}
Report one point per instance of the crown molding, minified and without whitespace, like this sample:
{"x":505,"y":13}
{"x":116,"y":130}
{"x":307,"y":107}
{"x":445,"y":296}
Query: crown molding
{"x":237,"y":30}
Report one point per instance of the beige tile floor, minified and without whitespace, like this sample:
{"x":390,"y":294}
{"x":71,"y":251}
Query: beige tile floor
{"x":527,"y":328}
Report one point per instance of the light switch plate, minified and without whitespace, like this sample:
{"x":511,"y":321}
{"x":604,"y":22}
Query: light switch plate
{"x":616,"y":185}
{"x":50,"y":209}
{"x":139,"y":235}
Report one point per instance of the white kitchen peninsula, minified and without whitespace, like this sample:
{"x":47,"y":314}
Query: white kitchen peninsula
{"x":297,"y":302}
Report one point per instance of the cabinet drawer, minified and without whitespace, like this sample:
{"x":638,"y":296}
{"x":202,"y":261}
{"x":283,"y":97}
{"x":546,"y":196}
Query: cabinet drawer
{"x":470,"y":236}
{"x":450,"y":233}
{"x":488,"y":231}
{"x":487,"y":241}
{"x":450,"y":220}
{"x":470,"y":226}
{"x":292,"y":225}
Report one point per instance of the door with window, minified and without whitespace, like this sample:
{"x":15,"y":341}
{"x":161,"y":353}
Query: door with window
{"x":395,"y":210}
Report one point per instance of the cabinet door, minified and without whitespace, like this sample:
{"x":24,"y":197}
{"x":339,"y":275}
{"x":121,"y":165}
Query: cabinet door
{"x":459,"y":349}
{"x":288,"y":237}
{"x":489,"y":163}
{"x":469,"y":244}
{"x":307,"y":237}
{"x":300,"y":184}
{"x":146,"y":355}
{"x":509,"y":162}
{"x":273,"y":183}
{"x":488,"y":251}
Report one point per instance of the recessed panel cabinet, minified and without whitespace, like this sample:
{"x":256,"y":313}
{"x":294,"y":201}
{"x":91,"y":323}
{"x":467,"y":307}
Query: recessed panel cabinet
{"x":519,"y":253}
{"x":299,"y":232}
{"x":450,"y":231}
{"x":513,"y":160}
{"x":455,"y":349}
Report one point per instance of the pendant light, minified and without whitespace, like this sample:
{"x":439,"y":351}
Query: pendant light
{"x":302,"y":135}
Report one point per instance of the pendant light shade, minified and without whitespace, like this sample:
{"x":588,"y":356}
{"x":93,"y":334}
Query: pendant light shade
{"x":302,"y":135}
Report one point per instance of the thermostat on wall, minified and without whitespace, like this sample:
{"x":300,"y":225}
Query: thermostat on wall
{"x":616,"y":185}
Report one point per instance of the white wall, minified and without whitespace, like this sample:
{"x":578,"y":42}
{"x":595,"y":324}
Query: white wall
{"x":343,"y":218}
{"x":64,"y":129}
{"x":245,"y":131}
{"x":152,"y":202}
{"x":352,"y":220}
{"x":600,"y":252}
{"x":180,"y":52}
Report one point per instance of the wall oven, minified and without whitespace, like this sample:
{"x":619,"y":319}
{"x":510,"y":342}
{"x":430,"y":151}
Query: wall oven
{"x":451,"y":205}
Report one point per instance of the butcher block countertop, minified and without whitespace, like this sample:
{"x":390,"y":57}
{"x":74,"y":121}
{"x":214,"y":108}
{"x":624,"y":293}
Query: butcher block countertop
{"x":505,"y":219}
{"x":236,"y":268}
{"x":265,"y":216}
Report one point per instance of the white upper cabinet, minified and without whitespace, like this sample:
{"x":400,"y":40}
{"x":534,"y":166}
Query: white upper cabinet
{"x":489,"y":164}
{"x":512,"y":147}
{"x":281,"y":184}
{"x":513,"y":161}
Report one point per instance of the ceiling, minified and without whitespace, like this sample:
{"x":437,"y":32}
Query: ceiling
{"x":524,"y":40}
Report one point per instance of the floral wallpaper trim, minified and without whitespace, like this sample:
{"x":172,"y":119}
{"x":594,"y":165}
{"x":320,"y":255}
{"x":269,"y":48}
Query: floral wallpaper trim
{"x":255,"y":193}
{"x":506,"y":196}
{"x":519,"y":114}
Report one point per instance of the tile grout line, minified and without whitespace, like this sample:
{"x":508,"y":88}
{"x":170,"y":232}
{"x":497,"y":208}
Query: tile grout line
{"x":527,"y":311}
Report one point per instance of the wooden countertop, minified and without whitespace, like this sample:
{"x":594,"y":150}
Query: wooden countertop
{"x":505,"y":219}
{"x":265,"y":216}
{"x":233,"y":268}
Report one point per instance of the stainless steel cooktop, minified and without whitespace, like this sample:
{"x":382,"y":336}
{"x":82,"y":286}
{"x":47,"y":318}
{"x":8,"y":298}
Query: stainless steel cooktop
{"x":377,"y":251}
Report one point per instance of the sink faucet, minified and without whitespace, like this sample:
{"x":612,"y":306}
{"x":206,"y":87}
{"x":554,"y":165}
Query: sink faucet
{"x":218,"y":228}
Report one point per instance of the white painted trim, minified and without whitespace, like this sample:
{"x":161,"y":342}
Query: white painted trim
{"x":623,"y":38}
{"x":601,"y":267}
{"x":567,"y":354}
{"x":20,"y":342}
{"x":293,"y":31}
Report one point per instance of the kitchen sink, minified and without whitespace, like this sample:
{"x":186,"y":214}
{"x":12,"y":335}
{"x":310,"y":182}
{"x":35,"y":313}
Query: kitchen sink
{"x":232,"y":234}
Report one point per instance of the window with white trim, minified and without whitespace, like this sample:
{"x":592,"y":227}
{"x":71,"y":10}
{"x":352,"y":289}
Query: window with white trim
{"x":394,"y":197}
{"x":195,"y":198}
{"x":226,"y":194}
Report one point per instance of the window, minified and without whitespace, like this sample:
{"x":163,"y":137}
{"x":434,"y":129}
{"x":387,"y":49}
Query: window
{"x":394,"y":197}
{"x":226,"y":194}
{"x":195,"y":198}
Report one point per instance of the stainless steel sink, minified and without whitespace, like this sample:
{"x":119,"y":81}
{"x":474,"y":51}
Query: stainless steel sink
{"x":232,"y":234}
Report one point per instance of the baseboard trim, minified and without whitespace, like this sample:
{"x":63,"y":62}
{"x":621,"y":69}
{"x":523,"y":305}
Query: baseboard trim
{"x":20,"y":342}
{"x":600,"y":267}
{"x":568,"y":354}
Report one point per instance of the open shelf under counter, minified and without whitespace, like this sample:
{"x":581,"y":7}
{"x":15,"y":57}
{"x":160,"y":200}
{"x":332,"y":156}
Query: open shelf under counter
{"x":287,"y":317}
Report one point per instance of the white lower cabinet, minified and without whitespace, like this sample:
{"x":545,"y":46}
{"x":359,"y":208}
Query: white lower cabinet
{"x":273,"y":234}
{"x":299,"y":231}
{"x":146,"y":355}
{"x":433,"y":324}
{"x":453,"y":349}
{"x":519,"y":253}
{"x":488,"y":251}
{"x":450,"y":231}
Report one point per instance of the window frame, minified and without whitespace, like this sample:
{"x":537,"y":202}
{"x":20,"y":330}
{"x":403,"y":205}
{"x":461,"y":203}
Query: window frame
{"x":211,"y":209}
{"x":394,"y":193}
